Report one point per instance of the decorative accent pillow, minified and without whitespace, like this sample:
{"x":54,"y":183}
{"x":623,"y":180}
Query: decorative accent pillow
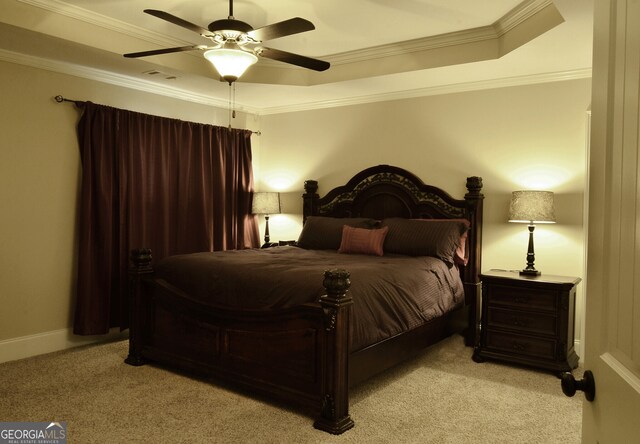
{"x":462,"y":257}
{"x":362,"y":240}
{"x":441,"y":238}
{"x":325,"y":233}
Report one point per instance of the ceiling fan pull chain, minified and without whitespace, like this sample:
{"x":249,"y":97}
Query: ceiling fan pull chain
{"x":233,"y":102}
{"x":229,"y":107}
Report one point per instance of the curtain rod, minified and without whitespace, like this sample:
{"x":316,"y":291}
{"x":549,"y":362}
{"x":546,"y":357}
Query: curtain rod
{"x":61,"y":99}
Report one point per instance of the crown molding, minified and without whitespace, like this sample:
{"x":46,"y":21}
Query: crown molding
{"x":103,"y":21}
{"x":500,"y":27}
{"x":517,"y":27}
{"x":435,"y":90}
{"x":416,"y":45}
{"x":519,"y":15}
{"x":118,"y":80}
{"x":181,"y":94}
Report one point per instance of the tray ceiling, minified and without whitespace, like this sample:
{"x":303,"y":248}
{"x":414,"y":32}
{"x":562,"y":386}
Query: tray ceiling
{"x":378,"y":50}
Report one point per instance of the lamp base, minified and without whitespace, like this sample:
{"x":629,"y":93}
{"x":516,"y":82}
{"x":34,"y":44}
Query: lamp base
{"x":527,"y":272}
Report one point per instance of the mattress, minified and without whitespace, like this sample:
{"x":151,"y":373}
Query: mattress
{"x":391,"y":293}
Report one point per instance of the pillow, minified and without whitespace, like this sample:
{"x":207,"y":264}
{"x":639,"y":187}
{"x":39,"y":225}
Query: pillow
{"x":362,"y":240}
{"x":325,"y":233}
{"x":439,"y":238}
{"x":461,"y":257}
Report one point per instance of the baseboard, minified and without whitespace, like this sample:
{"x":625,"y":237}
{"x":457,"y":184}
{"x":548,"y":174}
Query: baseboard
{"x":579,"y":350}
{"x":51,"y":341}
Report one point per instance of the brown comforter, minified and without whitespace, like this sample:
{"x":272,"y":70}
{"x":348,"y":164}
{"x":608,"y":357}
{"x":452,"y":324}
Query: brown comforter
{"x":390,"y":294}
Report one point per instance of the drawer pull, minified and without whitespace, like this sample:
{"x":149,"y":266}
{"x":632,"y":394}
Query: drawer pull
{"x":519,"y":346}
{"x":518,"y":322}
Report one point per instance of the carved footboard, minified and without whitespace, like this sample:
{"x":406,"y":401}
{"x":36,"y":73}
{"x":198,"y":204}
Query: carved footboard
{"x":298,"y":355}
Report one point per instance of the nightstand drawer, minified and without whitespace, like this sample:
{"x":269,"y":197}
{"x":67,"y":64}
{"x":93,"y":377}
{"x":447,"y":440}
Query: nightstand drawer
{"x":522,"y":298}
{"x":522,"y":321}
{"x":521,"y":345}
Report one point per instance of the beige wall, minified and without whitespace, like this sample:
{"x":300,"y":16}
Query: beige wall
{"x":525,"y":137}
{"x":39,"y":177}
{"x":508,"y":136}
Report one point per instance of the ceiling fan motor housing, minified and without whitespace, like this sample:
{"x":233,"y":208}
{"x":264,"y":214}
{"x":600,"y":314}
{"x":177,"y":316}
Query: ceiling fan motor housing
{"x":229,"y":25}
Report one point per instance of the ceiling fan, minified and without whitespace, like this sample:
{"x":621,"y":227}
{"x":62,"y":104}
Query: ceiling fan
{"x":236,"y":45}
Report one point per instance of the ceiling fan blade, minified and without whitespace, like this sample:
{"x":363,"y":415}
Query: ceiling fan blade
{"x":178,"y":21}
{"x":281,"y":29}
{"x":133,"y":55}
{"x":294,"y":59}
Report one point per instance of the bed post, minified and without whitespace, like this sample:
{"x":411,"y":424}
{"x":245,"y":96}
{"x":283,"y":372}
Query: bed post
{"x":140,"y":266}
{"x":309,"y":199}
{"x":472,"y":285}
{"x":334,"y":417}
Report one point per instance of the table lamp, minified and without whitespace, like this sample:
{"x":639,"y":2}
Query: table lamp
{"x":531,"y":207}
{"x":266,"y":203}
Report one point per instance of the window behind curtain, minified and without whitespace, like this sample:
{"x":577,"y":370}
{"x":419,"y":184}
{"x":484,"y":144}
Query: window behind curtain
{"x":147,"y":181}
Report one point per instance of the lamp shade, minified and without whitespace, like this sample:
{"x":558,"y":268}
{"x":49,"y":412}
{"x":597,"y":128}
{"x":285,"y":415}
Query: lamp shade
{"x":230,"y":63}
{"x":532,"y":207}
{"x":266,"y":203}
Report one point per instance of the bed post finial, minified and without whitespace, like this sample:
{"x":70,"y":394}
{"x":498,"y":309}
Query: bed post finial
{"x":337,"y":282}
{"x":309,"y":199}
{"x":474,"y":185}
{"x":336,"y":304}
{"x":311,"y":186}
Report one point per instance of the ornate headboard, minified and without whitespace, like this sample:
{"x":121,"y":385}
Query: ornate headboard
{"x":386,"y":191}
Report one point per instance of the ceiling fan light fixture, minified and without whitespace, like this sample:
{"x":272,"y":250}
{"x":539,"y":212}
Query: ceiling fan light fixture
{"x":230,"y":63}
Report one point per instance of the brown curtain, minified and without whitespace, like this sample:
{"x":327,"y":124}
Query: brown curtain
{"x":148,"y":181}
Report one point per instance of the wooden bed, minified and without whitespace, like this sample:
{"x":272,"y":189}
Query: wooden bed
{"x":301,"y":355}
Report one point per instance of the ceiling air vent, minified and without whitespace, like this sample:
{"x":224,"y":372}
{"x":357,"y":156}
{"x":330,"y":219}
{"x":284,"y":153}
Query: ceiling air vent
{"x":160,"y":74}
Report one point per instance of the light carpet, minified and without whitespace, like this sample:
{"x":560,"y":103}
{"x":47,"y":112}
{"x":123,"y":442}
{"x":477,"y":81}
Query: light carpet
{"x":442,"y":396}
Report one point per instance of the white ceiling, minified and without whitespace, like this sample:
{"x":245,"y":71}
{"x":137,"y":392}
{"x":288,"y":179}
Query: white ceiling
{"x":378,"y":49}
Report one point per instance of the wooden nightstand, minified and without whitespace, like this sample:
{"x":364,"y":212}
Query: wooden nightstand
{"x":528,"y":320}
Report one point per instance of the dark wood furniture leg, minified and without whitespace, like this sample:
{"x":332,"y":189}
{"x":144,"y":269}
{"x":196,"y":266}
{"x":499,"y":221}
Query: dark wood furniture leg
{"x":335,"y":403}
{"x":140,"y":267}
